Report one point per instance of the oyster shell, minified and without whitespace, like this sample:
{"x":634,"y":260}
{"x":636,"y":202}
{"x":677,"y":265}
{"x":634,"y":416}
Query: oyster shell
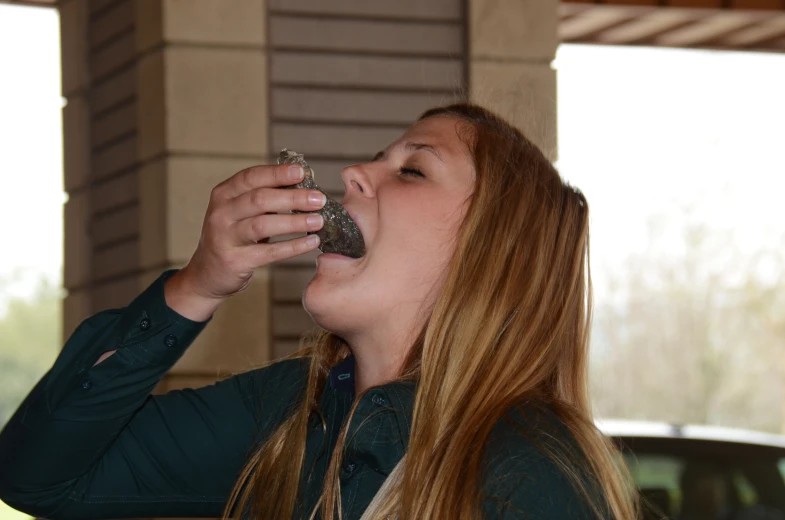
{"x":339,"y":233}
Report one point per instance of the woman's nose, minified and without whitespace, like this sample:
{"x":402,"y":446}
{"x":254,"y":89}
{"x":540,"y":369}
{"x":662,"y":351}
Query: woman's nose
{"x":356,"y":181}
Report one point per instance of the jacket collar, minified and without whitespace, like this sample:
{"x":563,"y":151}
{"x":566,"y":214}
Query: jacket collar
{"x":342,"y":375}
{"x":399,"y":393}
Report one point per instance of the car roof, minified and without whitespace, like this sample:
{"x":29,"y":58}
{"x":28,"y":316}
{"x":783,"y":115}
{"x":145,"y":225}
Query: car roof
{"x":628,"y":428}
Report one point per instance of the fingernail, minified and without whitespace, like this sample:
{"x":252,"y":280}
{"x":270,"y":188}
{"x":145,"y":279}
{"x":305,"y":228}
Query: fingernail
{"x":295,"y":172}
{"x":317,"y":197}
{"x":314,"y":220}
{"x":312,"y":240}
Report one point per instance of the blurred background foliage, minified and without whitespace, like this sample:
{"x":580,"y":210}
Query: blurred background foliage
{"x":696,"y":335}
{"x":30,"y":337}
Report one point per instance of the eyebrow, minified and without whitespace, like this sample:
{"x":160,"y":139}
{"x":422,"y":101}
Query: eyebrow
{"x":412,"y":146}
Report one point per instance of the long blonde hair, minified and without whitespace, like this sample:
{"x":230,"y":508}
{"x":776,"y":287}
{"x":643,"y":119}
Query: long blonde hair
{"x":510,"y":326}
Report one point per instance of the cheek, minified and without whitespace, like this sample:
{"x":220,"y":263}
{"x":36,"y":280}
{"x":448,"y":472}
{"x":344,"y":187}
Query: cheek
{"x":420,"y":234}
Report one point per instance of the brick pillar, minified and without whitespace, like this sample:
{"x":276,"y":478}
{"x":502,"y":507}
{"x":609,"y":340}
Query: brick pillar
{"x":511,"y":46}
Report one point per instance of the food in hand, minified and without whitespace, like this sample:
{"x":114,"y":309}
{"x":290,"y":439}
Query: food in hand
{"x":340,"y":233}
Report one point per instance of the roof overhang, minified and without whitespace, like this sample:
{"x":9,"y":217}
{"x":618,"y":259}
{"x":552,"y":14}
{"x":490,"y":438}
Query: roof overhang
{"x":681,"y":27}
{"x":755,"y":25}
{"x":36,"y":3}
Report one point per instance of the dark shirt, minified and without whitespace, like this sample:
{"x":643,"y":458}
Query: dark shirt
{"x":92,"y":442}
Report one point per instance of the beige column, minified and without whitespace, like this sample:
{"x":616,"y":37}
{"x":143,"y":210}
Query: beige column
{"x":164,"y":100}
{"x":76,"y":159}
{"x":511,"y":46}
{"x":203,"y":115}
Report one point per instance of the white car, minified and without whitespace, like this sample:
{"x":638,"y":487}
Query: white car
{"x":703,"y":472}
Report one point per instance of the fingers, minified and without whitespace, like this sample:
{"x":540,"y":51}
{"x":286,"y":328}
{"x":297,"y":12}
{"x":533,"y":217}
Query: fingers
{"x":255,"y":229}
{"x":266,"y":176}
{"x":272,"y":200}
{"x":263,"y":254}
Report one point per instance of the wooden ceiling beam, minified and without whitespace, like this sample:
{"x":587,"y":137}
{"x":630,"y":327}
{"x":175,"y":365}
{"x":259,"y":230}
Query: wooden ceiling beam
{"x":570,"y":9}
{"x":650,"y":26}
{"x":730,"y":5}
{"x":709,"y":31}
{"x":594,"y":21}
{"x":761,"y":34}
{"x":33,"y":3}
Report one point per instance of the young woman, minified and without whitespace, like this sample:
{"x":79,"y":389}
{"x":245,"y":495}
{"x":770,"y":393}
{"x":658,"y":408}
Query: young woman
{"x":449,"y":380}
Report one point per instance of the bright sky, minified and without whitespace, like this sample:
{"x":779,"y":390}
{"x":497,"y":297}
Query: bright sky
{"x":646,"y":131}
{"x":31,"y":165}
{"x":640,"y":131}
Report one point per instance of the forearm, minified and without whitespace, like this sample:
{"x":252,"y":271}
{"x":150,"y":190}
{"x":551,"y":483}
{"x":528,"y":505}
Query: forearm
{"x":77,"y":410}
{"x":183,"y":301}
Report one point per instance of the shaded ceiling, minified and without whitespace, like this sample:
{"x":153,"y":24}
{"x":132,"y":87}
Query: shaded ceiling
{"x":39,"y":3}
{"x":757,"y":25}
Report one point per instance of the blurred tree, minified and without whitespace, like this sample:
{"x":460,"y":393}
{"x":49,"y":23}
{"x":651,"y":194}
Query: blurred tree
{"x":692,"y":330}
{"x":30,"y":339}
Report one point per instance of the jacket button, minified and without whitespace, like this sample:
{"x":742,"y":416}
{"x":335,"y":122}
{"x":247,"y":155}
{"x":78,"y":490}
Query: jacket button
{"x":349,"y":467}
{"x":144,"y":324}
{"x":378,"y":400}
{"x":87,"y":384}
{"x":170,"y":340}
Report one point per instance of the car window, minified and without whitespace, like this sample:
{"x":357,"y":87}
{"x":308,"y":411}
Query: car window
{"x":657,"y":476}
{"x":681,"y":487}
{"x":748,"y":495}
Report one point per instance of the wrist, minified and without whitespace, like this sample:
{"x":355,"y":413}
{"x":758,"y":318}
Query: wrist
{"x":182,"y":298}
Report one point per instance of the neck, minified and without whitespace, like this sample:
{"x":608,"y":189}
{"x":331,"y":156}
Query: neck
{"x":375,"y":365}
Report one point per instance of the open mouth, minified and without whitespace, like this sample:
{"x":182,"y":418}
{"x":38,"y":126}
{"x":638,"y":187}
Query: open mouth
{"x":358,"y":224}
{"x":337,"y":253}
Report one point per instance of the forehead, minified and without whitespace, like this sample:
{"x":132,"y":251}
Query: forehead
{"x":447,"y":133}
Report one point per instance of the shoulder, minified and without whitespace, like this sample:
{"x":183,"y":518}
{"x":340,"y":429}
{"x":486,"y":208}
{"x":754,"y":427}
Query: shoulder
{"x":528,"y":457}
{"x":281,"y":373}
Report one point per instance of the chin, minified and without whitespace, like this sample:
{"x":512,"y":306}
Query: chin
{"x":323,"y":303}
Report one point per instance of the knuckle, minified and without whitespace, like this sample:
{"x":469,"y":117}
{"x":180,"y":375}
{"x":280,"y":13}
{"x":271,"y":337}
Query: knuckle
{"x":217,"y":212}
{"x":299,"y":224}
{"x":214,"y":219}
{"x":282,"y":173}
{"x":291,"y":247}
{"x":258,"y":226}
{"x":245,"y":178}
{"x":273,"y":252}
{"x":258,"y":197}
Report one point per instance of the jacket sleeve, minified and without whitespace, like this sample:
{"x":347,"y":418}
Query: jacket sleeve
{"x":91,"y":442}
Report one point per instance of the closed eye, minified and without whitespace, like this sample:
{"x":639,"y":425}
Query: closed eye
{"x":411,"y":171}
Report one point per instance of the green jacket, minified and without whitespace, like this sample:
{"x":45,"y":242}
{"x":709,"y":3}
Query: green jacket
{"x":91,"y":442}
